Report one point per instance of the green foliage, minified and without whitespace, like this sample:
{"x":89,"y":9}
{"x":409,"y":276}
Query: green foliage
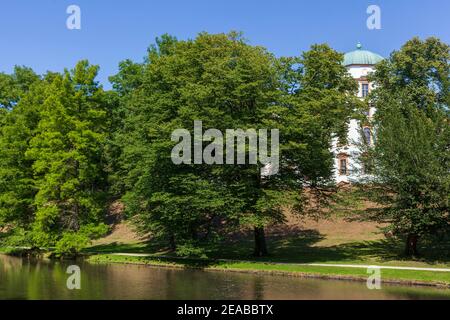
{"x":227,"y":84}
{"x":67,"y":153}
{"x":191,"y":249}
{"x":71,"y":243}
{"x":67,"y":142}
{"x":181,"y":83}
{"x":53,"y":177}
{"x":68,"y":146}
{"x":14,"y":86}
{"x":16,"y":237}
{"x":17,"y":189}
{"x":411,"y":155}
{"x":318,"y":101}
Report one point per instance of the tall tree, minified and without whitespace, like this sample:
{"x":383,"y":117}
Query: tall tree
{"x":68,"y":157}
{"x":124,"y":83}
{"x":316,"y":100}
{"x":411,"y":154}
{"x":17,"y":188}
{"x":184,"y":81}
{"x":228,"y":84}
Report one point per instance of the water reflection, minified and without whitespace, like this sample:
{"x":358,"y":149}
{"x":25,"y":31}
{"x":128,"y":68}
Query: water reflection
{"x":41,"y":279}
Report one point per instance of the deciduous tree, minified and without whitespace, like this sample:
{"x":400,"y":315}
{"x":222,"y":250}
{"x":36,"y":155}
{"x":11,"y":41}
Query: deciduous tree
{"x":411,"y":155}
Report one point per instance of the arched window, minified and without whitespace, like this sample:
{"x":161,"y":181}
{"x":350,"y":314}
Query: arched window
{"x":367,"y":135}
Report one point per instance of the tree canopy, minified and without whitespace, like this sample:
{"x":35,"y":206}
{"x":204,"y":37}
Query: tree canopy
{"x":228,"y":84}
{"x":52,"y":169}
{"x":411,"y":153}
{"x":71,"y":148}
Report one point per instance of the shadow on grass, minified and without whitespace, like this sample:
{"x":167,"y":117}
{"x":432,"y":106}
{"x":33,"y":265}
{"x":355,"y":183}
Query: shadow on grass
{"x":294,"y":247}
{"x":153,"y":247}
{"x":188,"y":263}
{"x":302,"y":249}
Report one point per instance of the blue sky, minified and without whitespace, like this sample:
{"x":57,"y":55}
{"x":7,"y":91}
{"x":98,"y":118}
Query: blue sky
{"x":34,"y":33}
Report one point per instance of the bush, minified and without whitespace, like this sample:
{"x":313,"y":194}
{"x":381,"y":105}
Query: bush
{"x":189,"y":249}
{"x":16,"y":237}
{"x":72,"y":243}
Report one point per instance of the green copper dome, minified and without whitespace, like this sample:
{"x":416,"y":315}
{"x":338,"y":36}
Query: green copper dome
{"x":360,"y":56}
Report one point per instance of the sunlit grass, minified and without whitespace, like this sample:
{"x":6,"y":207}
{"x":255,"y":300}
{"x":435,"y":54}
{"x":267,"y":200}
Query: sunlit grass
{"x":405,"y":276}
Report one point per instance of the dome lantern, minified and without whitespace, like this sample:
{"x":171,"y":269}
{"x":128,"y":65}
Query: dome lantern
{"x":361,"y":57}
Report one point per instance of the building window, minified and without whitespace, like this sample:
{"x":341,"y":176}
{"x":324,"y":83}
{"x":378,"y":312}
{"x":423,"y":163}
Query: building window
{"x":367,"y":164}
{"x":343,"y":165}
{"x":367,"y":135}
{"x":365,"y":90}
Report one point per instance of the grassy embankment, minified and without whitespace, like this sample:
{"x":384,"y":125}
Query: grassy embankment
{"x":326,"y":242}
{"x":392,"y":276}
{"x":331,"y":241}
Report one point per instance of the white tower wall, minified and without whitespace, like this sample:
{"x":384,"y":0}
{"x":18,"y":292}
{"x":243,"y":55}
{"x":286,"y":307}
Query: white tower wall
{"x":349,"y":152}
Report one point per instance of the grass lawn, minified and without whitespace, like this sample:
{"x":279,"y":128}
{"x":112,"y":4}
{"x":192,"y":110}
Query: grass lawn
{"x":302,"y":246}
{"x":388,"y":275}
{"x":326,"y":242}
{"x":335,"y":240}
{"x":301,"y":249}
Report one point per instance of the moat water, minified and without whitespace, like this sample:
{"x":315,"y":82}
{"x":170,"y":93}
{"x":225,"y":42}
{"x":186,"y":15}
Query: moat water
{"x":43,"y":279}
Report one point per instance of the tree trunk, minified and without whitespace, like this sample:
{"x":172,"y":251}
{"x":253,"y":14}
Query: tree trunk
{"x":194,"y":233}
{"x":411,"y":245}
{"x":260,"y":242}
{"x":172,"y":243}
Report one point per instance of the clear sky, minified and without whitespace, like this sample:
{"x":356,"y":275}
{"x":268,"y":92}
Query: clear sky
{"x":34,"y":33}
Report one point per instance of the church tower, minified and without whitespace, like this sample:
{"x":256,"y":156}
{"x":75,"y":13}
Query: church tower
{"x":359,"y":64}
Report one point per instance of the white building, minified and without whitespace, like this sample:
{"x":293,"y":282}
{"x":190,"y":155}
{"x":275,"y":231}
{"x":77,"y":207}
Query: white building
{"x":359,"y":64}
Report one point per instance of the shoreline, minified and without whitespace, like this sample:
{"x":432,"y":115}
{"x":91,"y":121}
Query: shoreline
{"x":259,"y":268}
{"x":406,"y":276}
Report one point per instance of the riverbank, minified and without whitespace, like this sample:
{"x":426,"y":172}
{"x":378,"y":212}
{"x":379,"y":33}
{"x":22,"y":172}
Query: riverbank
{"x":413,"y":273}
{"x":47,"y":278}
{"x":297,"y":248}
{"x":349,"y":273}
{"x":329,"y":249}
{"x":403,"y":274}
